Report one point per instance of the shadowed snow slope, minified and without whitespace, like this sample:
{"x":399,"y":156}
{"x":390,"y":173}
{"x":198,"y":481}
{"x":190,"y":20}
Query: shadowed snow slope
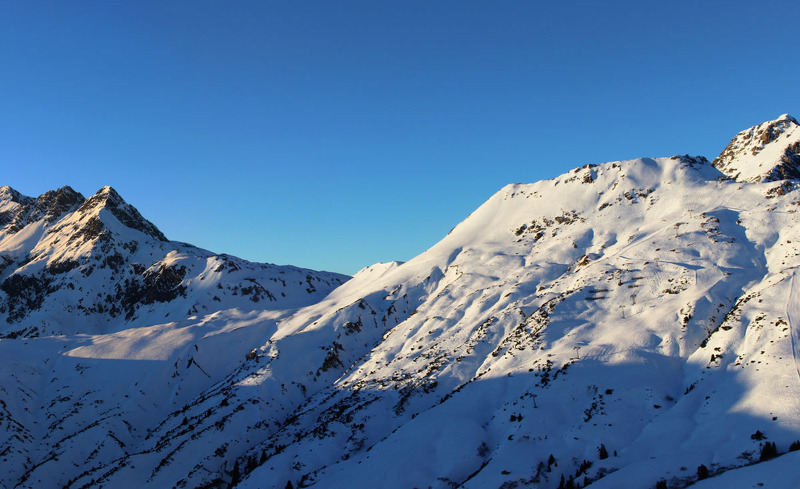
{"x":618,"y":326}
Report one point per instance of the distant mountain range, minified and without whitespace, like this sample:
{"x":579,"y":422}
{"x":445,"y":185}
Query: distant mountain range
{"x":72,"y":265}
{"x":632,"y":324}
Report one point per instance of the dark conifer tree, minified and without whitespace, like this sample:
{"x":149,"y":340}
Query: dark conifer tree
{"x":702,"y":472}
{"x":236,"y":474}
{"x":251,"y":464}
{"x":769,"y":450}
{"x":603,"y":452}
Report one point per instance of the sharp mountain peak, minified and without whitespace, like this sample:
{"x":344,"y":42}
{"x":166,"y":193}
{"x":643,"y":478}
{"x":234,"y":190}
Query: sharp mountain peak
{"x":766,"y":152}
{"x":8,"y":194}
{"x":18,"y":210}
{"x":109,"y":199}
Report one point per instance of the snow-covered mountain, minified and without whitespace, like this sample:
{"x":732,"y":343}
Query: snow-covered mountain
{"x":71,"y":265}
{"x":631,"y":324}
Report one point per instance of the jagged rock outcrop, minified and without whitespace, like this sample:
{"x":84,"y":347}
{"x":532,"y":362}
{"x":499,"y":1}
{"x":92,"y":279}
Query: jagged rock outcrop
{"x":17,"y":211}
{"x":764,"y":153}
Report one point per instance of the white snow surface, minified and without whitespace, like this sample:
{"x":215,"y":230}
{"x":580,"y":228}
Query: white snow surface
{"x":648,"y":307}
{"x":773,"y":474}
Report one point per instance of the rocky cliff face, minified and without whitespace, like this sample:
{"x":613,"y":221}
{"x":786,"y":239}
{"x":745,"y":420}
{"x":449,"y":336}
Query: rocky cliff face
{"x":767,"y":152}
{"x":18,"y":210}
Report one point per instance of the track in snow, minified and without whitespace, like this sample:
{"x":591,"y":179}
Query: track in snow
{"x":793,"y":315}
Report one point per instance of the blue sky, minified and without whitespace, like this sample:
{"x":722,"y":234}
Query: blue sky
{"x":333,"y":135}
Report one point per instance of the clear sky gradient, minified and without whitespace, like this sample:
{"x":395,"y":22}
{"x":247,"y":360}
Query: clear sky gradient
{"x":336,"y":134}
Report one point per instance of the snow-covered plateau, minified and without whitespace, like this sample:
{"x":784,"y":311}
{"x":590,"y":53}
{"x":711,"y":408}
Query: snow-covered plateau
{"x":633,"y":324}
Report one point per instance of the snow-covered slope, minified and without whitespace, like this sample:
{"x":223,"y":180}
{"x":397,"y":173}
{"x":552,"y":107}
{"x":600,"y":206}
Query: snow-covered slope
{"x":107,"y":326}
{"x":626,"y":325}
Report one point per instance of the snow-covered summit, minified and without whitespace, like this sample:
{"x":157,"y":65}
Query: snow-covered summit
{"x":767,"y":152}
{"x":17,"y":210}
{"x":108,"y":198}
{"x":8,"y":194}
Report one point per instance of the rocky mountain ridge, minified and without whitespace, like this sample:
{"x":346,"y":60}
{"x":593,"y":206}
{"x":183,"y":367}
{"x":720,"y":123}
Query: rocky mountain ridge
{"x":107,"y":267}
